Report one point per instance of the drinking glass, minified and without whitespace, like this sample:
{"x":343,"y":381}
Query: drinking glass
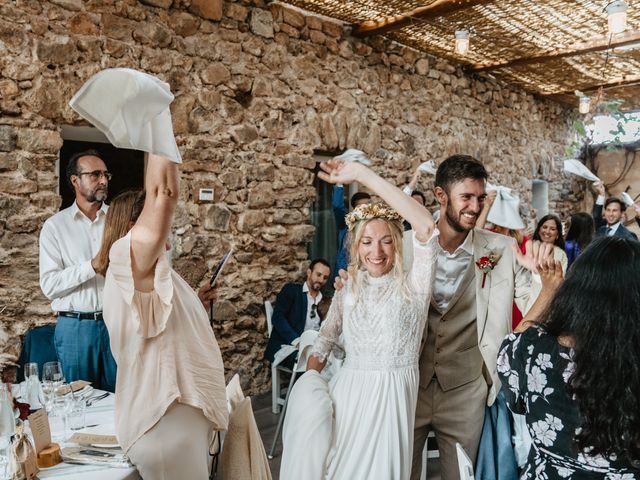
{"x":30,"y":369}
{"x":31,"y":386}
{"x":52,"y":372}
{"x":58,"y":417}
{"x":76,"y":410}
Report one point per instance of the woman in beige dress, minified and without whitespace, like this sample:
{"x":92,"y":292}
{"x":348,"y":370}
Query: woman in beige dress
{"x":170,"y":392}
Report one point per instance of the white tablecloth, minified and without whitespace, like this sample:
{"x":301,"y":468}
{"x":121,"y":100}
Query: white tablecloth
{"x":100,"y":413}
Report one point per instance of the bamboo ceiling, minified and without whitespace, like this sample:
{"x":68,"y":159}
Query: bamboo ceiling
{"x":548,"y":47}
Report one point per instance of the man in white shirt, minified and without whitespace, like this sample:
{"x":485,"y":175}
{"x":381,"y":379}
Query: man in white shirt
{"x":69,"y":243}
{"x":611,"y":224}
{"x":477,"y":279}
{"x":297,"y":309}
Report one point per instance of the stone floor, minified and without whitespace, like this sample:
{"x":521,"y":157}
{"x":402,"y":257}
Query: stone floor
{"x":267,"y":423}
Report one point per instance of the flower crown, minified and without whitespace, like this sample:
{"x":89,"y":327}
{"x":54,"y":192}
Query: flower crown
{"x":370,"y":211}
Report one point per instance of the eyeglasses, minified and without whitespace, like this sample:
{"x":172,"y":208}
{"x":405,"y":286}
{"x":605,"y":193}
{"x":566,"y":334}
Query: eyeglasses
{"x":96,"y":175}
{"x":314,"y":307}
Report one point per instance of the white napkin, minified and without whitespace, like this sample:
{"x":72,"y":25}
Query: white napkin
{"x":353,"y":155}
{"x":505,"y":209}
{"x":283,"y":353}
{"x":131,"y":108}
{"x":234,"y":392}
{"x":428,"y":167}
{"x":578,"y":168}
{"x":626,"y":198}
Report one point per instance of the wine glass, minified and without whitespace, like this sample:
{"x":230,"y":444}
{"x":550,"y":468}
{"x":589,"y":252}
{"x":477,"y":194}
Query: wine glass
{"x":52,"y":379}
{"x":30,"y":369}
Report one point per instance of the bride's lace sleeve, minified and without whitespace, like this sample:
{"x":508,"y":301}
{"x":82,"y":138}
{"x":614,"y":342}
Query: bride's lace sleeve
{"x":422,"y":271}
{"x":331,"y":329}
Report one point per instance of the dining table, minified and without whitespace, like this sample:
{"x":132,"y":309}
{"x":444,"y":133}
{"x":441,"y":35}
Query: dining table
{"x":100,"y":416}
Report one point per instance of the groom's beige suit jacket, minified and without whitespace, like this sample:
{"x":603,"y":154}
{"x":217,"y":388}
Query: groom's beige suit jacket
{"x":493,"y":308}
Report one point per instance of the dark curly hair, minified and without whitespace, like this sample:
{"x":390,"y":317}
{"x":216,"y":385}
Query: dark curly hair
{"x":603,"y":320}
{"x":582,"y":229}
{"x":559,"y":239}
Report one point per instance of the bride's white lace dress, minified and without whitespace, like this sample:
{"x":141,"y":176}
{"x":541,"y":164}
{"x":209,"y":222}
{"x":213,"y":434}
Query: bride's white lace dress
{"x":374,"y":393}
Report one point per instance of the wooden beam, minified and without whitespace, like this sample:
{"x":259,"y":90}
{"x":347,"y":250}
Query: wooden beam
{"x":438,"y":8}
{"x":596,"y":45}
{"x":631,"y":82}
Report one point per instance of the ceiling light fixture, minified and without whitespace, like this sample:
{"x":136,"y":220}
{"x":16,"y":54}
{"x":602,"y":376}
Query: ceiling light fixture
{"x":462,"y":42}
{"x":585,"y":105}
{"x":617,"y":16}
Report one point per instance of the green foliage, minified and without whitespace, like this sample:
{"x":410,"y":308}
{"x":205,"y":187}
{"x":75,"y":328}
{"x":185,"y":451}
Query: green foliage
{"x":584,"y":127}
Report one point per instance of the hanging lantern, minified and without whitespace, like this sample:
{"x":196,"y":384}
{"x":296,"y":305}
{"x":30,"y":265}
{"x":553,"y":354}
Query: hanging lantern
{"x":617,"y":16}
{"x":585,"y":105}
{"x":462,"y":42}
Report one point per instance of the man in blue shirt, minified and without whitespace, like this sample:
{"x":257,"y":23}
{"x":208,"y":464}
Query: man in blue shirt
{"x":339,"y":212}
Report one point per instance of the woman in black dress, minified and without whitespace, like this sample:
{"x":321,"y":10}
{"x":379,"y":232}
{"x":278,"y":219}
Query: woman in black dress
{"x":574,"y":368}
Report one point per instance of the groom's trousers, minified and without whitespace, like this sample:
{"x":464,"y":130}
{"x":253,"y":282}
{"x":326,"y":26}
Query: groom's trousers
{"x":456,"y":415}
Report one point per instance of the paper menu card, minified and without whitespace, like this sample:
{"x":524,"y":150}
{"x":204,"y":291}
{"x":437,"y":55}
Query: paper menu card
{"x":39,"y":424}
{"x":94,"y":439}
{"x":76,"y":386}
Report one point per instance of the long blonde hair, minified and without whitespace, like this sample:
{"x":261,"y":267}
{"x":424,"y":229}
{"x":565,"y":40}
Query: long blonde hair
{"x":123,"y":209}
{"x":354,"y":238}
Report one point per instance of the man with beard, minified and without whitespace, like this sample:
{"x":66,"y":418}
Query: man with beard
{"x":477,"y":278}
{"x":69,"y":244}
{"x":298,"y":308}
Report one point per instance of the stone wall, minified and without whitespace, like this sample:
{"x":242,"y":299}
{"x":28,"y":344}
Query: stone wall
{"x":258,"y":89}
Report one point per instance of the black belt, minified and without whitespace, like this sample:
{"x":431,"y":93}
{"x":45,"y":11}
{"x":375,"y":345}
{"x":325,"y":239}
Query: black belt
{"x":82,"y":315}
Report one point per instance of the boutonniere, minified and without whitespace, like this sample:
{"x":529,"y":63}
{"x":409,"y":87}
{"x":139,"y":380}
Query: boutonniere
{"x":487,"y":263}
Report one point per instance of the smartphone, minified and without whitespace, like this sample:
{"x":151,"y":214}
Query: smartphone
{"x":97,"y":453}
{"x":220,"y":266}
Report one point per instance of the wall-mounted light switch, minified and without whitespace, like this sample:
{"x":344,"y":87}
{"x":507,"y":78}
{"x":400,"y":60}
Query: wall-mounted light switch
{"x":206,"y":195}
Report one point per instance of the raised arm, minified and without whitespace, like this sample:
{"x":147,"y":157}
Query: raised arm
{"x":149,"y":234}
{"x":338,"y":171}
{"x":551,"y":276}
{"x":413,"y":183}
{"x":596,"y":213}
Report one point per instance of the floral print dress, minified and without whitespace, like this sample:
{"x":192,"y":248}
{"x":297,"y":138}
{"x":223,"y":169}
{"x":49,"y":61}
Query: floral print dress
{"x":534,"y":370}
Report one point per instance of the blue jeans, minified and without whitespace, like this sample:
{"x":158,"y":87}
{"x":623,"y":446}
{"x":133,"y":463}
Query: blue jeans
{"x":84,"y":351}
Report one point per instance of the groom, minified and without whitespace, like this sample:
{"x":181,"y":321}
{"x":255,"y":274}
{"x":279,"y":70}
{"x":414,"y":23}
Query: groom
{"x":477,"y":278}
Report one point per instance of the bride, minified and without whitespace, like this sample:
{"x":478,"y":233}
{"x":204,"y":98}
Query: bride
{"x":378,"y":318}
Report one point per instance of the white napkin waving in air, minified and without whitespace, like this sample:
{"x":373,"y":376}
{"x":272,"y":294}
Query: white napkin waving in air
{"x":505,"y":211}
{"x":131,"y":108}
{"x":428,"y":167}
{"x":578,"y":168}
{"x":626,"y":198}
{"x":353,"y":155}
